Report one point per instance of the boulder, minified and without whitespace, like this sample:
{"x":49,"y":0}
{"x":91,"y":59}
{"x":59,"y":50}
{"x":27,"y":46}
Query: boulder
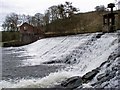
{"x":99,"y":35}
{"x":53,"y":62}
{"x":103,"y":63}
{"x":72,"y":82}
{"x":90,"y":75}
{"x":99,"y":77}
{"x":106,"y":76}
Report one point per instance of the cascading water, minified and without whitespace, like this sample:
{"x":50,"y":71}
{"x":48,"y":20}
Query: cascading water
{"x":76,"y":55}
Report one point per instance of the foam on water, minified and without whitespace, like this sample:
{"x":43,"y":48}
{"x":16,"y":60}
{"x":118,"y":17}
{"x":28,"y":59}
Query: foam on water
{"x":95,"y":53}
{"x":52,"y":48}
{"x":49,"y":81}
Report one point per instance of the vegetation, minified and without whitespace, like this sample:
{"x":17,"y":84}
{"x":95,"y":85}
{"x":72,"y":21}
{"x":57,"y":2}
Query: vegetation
{"x":62,"y":19}
{"x":53,"y":13}
{"x":10,"y":23}
{"x":101,"y":8}
{"x":10,"y":36}
{"x":79,"y":23}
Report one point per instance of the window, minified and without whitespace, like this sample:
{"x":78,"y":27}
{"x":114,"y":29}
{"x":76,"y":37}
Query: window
{"x":106,"y":21}
{"x":25,"y":28}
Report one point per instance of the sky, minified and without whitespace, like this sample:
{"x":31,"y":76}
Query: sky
{"x":30,"y":7}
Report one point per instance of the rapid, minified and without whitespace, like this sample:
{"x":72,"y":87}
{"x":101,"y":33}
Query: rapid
{"x":61,"y":58}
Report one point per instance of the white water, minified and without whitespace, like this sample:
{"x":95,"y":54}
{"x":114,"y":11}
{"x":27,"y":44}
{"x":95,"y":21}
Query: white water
{"x":83,"y":54}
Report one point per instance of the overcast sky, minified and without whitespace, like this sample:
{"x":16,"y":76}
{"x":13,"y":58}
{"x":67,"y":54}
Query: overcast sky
{"x":39,"y":6}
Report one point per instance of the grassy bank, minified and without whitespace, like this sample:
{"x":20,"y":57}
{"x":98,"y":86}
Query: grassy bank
{"x":10,"y":36}
{"x":13,"y":43}
{"x":88,"y":22}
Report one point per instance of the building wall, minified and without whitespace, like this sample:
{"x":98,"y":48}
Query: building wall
{"x":26,"y":38}
{"x":29,"y":28}
{"x":117,"y":20}
{"x":29,"y":34}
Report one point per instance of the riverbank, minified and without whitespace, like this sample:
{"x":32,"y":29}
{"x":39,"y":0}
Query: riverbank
{"x":17,"y":43}
{"x":14,"y":43}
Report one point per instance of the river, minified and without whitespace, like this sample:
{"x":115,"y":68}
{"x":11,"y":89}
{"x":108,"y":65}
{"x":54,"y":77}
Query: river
{"x":47,"y":62}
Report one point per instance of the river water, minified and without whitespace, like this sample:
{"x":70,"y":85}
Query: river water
{"x":48,"y":62}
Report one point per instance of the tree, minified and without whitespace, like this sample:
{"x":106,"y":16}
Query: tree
{"x":39,"y":19}
{"x":69,"y":9}
{"x":31,"y":20}
{"x":100,"y":8}
{"x":118,"y":5}
{"x":58,"y":17}
{"x":10,"y":23}
{"x":36,"y":20}
{"x":117,"y":2}
{"x":61,"y":11}
{"x":46,"y":18}
{"x":54,"y":13}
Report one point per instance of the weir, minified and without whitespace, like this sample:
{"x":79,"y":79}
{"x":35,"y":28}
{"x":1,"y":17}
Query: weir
{"x":84,"y":53}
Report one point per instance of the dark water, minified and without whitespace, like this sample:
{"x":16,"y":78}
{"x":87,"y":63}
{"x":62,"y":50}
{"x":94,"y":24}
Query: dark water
{"x":12,"y":66}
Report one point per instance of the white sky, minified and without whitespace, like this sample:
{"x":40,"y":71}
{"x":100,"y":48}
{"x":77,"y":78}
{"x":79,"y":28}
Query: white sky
{"x":39,"y":6}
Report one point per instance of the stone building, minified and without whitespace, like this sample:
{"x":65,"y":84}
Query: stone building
{"x":29,"y":33}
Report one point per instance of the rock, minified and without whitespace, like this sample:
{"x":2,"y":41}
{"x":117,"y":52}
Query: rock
{"x":107,"y":72}
{"x":108,"y":65}
{"x":99,"y":35}
{"x":106,"y":76}
{"x":52,"y":62}
{"x":72,"y":82}
{"x":112,"y":75}
{"x":90,"y":75}
{"x":103,"y":63}
{"x":115,"y":68}
{"x":99,"y":77}
{"x":114,"y":55}
{"x":118,"y":73}
{"x":68,"y":61}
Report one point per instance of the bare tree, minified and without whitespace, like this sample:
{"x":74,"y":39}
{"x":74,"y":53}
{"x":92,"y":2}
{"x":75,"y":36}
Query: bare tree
{"x":10,"y":23}
{"x":31,"y":20}
{"x":117,"y":2}
{"x":119,"y":5}
{"x":54,"y":13}
{"x":100,"y":8}
{"x":46,"y":18}
{"x":39,"y":19}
